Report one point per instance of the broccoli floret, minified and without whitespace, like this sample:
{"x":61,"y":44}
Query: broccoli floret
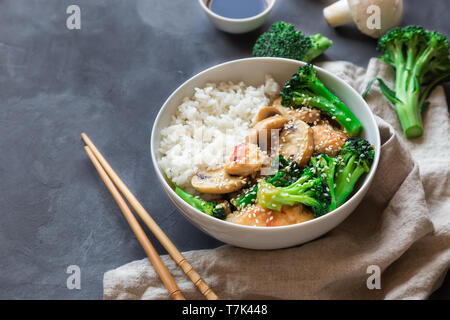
{"x":282,"y":40}
{"x":354,"y":159}
{"x":324,"y":166}
{"x":421,"y":62}
{"x":216,"y":210}
{"x":307,"y":190}
{"x":288,"y":172}
{"x":306,"y":89}
{"x":245,"y":199}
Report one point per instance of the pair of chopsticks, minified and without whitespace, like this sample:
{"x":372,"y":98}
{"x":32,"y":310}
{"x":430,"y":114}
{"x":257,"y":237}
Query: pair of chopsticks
{"x":114,"y":184}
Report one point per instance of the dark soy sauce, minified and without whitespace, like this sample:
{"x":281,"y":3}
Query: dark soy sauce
{"x":237,"y":9}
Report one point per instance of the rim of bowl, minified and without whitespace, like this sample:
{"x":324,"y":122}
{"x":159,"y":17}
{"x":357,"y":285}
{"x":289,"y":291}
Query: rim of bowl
{"x":362,"y":189}
{"x":209,"y":11}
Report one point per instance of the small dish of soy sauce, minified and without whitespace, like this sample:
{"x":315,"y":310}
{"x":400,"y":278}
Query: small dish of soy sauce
{"x":237,"y":9}
{"x":237,"y":16}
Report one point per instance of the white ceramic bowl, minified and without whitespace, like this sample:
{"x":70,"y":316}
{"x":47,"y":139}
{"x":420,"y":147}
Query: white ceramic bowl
{"x":237,"y":25}
{"x":252,"y":71}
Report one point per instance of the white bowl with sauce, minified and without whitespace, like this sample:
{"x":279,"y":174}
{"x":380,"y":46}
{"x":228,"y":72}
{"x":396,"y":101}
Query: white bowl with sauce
{"x":252,"y":72}
{"x":237,"y":25}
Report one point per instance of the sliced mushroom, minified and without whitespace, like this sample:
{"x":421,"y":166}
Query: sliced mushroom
{"x":297,"y":142}
{"x":261,"y":133}
{"x":246,"y":159}
{"x":328,"y":139}
{"x":266,"y":112}
{"x":217,"y":182}
{"x":275,"y":122}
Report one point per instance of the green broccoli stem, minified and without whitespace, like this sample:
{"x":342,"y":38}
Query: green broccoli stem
{"x":320,"y":89}
{"x":423,"y":59}
{"x":421,"y":62}
{"x":409,"y":115}
{"x":329,"y":180}
{"x":407,"y":92}
{"x":407,"y":89}
{"x":292,"y":200}
{"x":337,"y":110}
{"x":319,"y":44}
{"x":346,"y":180}
{"x":342,"y":113}
{"x":195,"y":202}
{"x":333,"y":203}
{"x":248,"y":198}
{"x":210,"y":208}
{"x":324,"y":164}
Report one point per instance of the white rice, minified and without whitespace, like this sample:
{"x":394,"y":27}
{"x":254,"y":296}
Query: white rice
{"x":208,"y":125}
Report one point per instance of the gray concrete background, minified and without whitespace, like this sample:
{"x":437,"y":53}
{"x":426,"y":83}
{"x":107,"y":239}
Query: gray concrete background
{"x":109,"y":79}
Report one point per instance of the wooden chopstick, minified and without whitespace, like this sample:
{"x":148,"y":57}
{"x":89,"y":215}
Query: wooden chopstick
{"x":153,"y":256}
{"x":152,"y":225}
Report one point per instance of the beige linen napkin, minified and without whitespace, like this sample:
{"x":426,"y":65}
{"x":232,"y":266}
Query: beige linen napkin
{"x":402,"y":226}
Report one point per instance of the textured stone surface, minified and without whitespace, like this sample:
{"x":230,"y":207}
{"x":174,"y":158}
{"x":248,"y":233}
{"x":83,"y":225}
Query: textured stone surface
{"x":109,"y":79}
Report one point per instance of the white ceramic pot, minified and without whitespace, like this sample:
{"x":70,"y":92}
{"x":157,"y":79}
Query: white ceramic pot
{"x":237,"y":25}
{"x":252,"y":72}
